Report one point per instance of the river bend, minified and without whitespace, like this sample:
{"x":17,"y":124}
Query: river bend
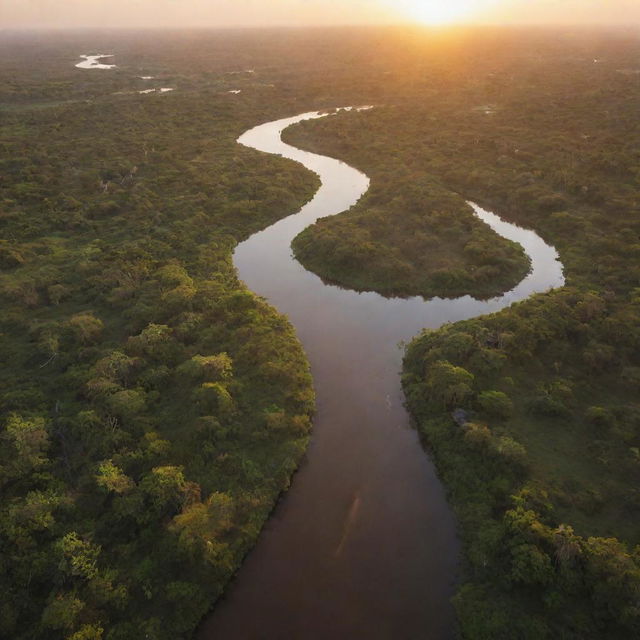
{"x":364,"y":544}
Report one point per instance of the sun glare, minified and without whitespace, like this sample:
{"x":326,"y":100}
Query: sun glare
{"x":438,"y":12}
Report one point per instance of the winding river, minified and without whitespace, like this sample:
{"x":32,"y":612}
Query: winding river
{"x":364,"y":544}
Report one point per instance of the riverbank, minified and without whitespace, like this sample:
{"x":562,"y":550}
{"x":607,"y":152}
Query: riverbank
{"x":152,"y":409}
{"x":532,"y":414}
{"x":366,"y":485}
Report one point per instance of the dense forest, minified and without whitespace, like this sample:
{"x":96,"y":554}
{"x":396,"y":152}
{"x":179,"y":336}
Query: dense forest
{"x":532,"y":414}
{"x":152,"y":409}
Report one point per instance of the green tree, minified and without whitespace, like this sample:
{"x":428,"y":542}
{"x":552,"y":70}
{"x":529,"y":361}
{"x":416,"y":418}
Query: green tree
{"x":496,"y":403}
{"x":113,"y":478}
{"x":449,"y":385}
{"x":200,"y":526}
{"x":28,"y":441}
{"x":85,"y":327}
{"x":78,"y":557}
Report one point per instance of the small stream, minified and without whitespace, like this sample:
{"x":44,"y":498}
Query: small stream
{"x":363,"y":546}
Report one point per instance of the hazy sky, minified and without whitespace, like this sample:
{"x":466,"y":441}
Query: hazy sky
{"x":154,"y":13}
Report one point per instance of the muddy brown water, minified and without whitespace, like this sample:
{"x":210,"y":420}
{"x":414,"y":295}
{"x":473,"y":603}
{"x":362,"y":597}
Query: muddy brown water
{"x":363,"y":546}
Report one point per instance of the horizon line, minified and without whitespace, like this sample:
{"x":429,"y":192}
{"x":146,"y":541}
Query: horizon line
{"x":363,"y":25}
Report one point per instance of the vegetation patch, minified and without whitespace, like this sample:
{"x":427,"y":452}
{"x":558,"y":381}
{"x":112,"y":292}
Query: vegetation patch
{"x":152,"y":409}
{"x":407,"y":236}
{"x":532,"y":414}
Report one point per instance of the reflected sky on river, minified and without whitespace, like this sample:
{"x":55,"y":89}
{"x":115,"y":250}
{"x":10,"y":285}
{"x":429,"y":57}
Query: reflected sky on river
{"x":364,"y":544}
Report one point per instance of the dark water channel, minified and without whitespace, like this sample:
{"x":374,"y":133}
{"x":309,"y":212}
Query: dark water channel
{"x":364,"y":544}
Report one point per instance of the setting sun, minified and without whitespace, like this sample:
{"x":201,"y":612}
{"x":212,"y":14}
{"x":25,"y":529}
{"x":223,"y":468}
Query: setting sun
{"x":438,"y":12}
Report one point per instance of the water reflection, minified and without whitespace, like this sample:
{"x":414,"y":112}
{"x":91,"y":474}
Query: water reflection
{"x":364,"y":544}
{"x":91,"y":62}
